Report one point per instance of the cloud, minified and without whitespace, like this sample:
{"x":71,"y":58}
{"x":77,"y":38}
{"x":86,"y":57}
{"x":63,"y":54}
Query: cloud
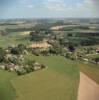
{"x":30,"y":6}
{"x":49,"y":8}
{"x":79,"y":9}
{"x":55,"y":5}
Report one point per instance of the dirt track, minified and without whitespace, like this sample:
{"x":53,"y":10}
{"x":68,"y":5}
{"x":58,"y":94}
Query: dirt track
{"x":88,"y":89}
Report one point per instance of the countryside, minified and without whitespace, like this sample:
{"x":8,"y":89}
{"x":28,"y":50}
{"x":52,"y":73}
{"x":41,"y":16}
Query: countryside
{"x":45,"y":56}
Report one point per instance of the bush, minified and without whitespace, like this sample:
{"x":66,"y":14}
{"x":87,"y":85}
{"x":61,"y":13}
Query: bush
{"x":43,"y":66}
{"x":28,"y":69}
{"x":21,"y":71}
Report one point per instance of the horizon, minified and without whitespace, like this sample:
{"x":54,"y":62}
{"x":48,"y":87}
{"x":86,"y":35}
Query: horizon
{"x":44,"y":18}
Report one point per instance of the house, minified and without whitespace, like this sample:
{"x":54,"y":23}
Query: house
{"x":85,"y":59}
{"x":10,"y":67}
{"x":21,"y":58}
{"x":2,"y":67}
{"x":37,"y":66}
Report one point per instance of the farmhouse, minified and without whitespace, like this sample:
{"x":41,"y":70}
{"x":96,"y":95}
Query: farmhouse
{"x":37,"y":66}
{"x":10,"y":67}
{"x":2,"y":67}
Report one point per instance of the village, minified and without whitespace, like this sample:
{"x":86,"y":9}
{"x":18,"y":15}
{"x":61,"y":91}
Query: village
{"x":45,"y":43}
{"x":13,"y":58}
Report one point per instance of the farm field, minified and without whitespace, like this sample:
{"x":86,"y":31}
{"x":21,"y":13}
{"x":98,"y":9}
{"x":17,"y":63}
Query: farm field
{"x":42,"y":64}
{"x":14,"y":38}
{"x":57,"y":82}
{"x":90,"y":70}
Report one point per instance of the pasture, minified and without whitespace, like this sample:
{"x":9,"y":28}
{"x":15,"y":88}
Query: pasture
{"x":7,"y":91}
{"x":14,"y":38}
{"x":59,"y":81}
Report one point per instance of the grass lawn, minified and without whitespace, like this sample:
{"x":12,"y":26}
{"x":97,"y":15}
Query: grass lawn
{"x":7,"y":91}
{"x":57,"y":82}
{"x":90,"y":70}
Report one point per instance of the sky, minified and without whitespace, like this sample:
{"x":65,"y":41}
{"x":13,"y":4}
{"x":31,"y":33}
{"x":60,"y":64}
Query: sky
{"x":49,"y":8}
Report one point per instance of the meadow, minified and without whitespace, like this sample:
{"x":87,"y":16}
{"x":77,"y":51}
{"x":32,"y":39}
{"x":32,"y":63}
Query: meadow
{"x":59,"y":81}
{"x":7,"y":91}
{"x":14,"y":38}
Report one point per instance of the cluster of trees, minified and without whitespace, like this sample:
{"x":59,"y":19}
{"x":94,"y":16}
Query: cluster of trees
{"x":18,"y":49}
{"x":36,"y":36}
{"x":2,"y":54}
{"x":39,"y":35}
{"x":3,"y":32}
{"x":12,"y":59}
{"x":88,"y":42}
{"x":96,"y":60}
{"x":30,"y":68}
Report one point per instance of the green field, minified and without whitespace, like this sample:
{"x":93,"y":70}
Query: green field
{"x":14,"y":38}
{"x":90,"y":70}
{"x":60,"y":79}
{"x":57,"y":82}
{"x":7,"y":91}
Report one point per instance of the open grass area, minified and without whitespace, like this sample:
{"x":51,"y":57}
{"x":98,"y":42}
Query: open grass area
{"x":90,"y":70}
{"x":7,"y":91}
{"x":57,"y":82}
{"x":57,"y":63}
{"x":14,"y":38}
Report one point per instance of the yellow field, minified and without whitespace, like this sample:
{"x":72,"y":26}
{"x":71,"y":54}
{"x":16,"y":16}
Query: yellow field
{"x":25,"y":33}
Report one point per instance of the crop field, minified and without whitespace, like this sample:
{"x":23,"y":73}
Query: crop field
{"x":59,"y":73}
{"x":14,"y":38}
{"x":90,"y":70}
{"x":59,"y":81}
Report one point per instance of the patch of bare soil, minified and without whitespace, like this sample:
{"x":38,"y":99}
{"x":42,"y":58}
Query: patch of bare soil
{"x":88,"y":89}
{"x":40,"y":45}
{"x":57,"y":27}
{"x":25,"y":33}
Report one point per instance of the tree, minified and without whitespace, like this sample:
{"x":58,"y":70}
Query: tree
{"x":69,"y":34}
{"x":68,"y":55}
{"x":21,"y":71}
{"x":96,"y":60}
{"x":2,"y":54}
{"x":71,"y":48}
{"x":36,"y":36}
{"x":43,"y":66}
{"x":21,"y":48}
{"x":3,"y":32}
{"x":28,"y":69}
{"x":15,"y":51}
